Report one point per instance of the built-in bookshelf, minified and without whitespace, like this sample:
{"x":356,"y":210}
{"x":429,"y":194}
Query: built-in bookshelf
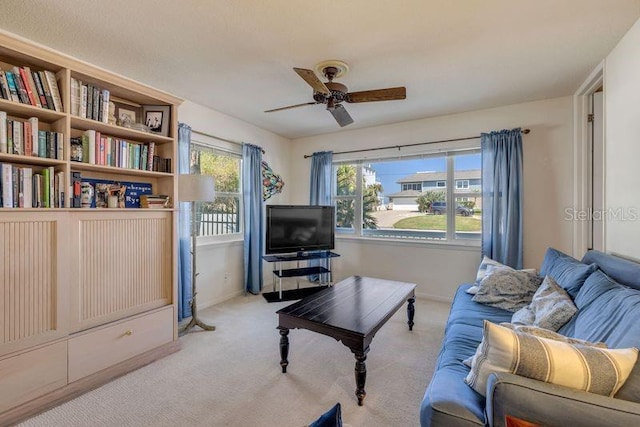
{"x":88,"y":282}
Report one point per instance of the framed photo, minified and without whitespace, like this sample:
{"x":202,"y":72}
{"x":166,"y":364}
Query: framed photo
{"x":126,"y":116}
{"x":157,"y":118}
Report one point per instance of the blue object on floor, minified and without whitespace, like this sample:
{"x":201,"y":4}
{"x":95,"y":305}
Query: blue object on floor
{"x":331,"y":418}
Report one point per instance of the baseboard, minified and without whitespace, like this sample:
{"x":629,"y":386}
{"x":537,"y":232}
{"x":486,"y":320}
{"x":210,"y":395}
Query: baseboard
{"x":77,"y":388}
{"x":432,"y":297}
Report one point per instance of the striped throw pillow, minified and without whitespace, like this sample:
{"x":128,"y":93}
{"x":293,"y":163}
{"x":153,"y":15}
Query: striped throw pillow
{"x":595,"y":370}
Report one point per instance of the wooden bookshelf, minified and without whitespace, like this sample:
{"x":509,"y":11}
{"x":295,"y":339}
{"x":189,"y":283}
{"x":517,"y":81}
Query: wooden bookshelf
{"x":78,"y":280}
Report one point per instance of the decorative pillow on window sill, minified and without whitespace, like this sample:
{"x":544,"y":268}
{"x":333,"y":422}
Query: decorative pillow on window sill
{"x":551,"y":307}
{"x":595,"y":370}
{"x":507,"y":288}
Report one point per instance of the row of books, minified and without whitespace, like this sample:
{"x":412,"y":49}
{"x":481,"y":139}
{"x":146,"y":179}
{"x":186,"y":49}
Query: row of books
{"x":25,"y":138}
{"x":155,"y":201}
{"x":98,"y":149}
{"x":21,"y":187}
{"x":89,"y":101}
{"x":36,"y":88}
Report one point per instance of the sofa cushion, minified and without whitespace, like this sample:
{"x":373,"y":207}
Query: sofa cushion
{"x":465,"y":311}
{"x":507,"y":289}
{"x":567,"y":271}
{"x":550,"y":308}
{"x":592,"y":369}
{"x":486,"y":266}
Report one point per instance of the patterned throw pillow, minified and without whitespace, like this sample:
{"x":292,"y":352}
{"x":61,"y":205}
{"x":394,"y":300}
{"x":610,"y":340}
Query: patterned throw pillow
{"x":595,"y":370}
{"x":486,"y":266}
{"x":507,"y":289}
{"x":551,"y":307}
{"x":541,"y":333}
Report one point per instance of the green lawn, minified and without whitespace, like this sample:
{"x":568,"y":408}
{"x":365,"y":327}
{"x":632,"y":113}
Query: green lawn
{"x":438,"y":222}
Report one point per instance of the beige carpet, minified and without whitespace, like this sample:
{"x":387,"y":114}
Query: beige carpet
{"x":232,"y":376}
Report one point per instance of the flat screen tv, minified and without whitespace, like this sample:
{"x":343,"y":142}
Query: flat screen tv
{"x":293,"y":228}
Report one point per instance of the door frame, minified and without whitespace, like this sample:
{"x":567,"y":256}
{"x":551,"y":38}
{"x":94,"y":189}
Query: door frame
{"x":581,"y":156}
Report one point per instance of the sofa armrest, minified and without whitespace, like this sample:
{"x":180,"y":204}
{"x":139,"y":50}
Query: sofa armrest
{"x":551,"y":405}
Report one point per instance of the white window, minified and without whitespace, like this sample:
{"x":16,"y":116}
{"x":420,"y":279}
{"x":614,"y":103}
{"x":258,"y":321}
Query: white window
{"x":223,"y":215}
{"x":462,"y":184}
{"x":363,"y":210}
{"x":412,"y":186}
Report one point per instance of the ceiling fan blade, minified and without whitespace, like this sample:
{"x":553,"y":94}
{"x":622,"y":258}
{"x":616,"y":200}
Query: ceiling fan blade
{"x":291,"y":106}
{"x":389,"y":94}
{"x":312,"y":80}
{"x":341,"y":115}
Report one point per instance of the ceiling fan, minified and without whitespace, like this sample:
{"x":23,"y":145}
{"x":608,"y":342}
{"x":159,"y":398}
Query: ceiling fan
{"x":332,"y":94}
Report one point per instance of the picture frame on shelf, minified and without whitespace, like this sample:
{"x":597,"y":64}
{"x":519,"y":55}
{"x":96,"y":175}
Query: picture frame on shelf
{"x":157,"y":118}
{"x":126,"y":117}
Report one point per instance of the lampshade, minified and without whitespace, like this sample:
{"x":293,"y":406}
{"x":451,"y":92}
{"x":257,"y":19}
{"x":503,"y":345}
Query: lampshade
{"x":196,"y":188}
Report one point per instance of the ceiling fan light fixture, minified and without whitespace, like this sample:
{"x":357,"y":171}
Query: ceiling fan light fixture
{"x":341,"y":67}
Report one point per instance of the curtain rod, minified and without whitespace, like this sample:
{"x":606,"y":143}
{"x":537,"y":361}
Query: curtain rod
{"x":306,"y":156}
{"x":220,"y":139}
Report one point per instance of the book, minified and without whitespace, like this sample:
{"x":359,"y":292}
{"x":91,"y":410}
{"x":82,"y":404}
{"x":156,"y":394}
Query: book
{"x":13,"y":89}
{"x":95,"y":115}
{"x":27,"y":187}
{"x":42,"y":143}
{"x":22,"y":91}
{"x":4,"y":87}
{"x":7,"y":185}
{"x":59,"y":145}
{"x":3,"y":132}
{"x":55,"y":92}
{"x":45,"y":188}
{"x":47,"y":90}
{"x":39,"y":89}
{"x":28,"y":139}
{"x":76,"y":189}
{"x":75,"y":99}
{"x":84,"y":99}
{"x":35,"y":136}
{"x":27,"y":79}
{"x":17,"y":138}
{"x":154,"y":201}
{"x":104,"y":113}
{"x":91,"y":144}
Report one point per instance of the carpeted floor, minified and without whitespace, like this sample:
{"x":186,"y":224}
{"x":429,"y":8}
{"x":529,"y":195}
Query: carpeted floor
{"x":232,"y":376}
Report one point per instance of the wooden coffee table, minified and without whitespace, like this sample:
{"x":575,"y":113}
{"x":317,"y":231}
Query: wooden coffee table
{"x":351,"y":311}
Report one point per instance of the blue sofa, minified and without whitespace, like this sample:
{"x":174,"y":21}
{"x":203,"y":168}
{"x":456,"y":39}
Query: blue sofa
{"x":608,"y":301}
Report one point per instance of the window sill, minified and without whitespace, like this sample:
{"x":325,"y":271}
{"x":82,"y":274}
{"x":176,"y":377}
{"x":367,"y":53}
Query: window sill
{"x":225,"y":240}
{"x":471,"y":245}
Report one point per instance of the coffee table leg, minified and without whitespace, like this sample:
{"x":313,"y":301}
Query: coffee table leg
{"x":361,"y":376}
{"x":411,"y":310}
{"x":284,"y":349}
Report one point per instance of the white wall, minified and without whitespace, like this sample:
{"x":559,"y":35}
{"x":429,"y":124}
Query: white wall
{"x":217,"y":260}
{"x":548,"y":175}
{"x":622,"y":144}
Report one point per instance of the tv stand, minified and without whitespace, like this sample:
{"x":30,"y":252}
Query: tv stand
{"x":279,"y":272}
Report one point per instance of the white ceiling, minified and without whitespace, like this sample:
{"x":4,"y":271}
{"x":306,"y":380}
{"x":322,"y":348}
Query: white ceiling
{"x":237,"y":56}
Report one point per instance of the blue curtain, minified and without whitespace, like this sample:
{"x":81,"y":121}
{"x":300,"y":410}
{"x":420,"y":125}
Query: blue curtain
{"x":184,"y":230}
{"x":320,"y":191}
{"x":320,"y":180}
{"x":253,"y":217}
{"x":502,"y":196}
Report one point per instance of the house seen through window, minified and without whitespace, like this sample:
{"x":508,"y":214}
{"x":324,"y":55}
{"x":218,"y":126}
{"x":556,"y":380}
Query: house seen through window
{"x":221,"y":216}
{"x":407,"y":198}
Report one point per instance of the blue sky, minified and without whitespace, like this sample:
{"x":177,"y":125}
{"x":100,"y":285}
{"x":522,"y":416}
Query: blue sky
{"x":388,"y":172}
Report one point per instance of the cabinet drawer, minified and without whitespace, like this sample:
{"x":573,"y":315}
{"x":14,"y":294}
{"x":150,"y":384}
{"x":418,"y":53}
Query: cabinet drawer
{"x":107,"y":346}
{"x":32,"y":374}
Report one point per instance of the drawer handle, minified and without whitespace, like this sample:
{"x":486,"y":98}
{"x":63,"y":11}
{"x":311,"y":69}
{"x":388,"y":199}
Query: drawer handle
{"x":129,"y":332}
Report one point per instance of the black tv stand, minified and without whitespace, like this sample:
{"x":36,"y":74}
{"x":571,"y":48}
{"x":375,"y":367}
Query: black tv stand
{"x":279,"y":272}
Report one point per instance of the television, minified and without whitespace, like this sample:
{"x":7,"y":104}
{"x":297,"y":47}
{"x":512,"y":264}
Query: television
{"x":292,"y":228}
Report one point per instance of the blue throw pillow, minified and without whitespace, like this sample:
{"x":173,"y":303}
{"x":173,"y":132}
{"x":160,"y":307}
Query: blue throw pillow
{"x":567,"y":271}
{"x":331,"y":418}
